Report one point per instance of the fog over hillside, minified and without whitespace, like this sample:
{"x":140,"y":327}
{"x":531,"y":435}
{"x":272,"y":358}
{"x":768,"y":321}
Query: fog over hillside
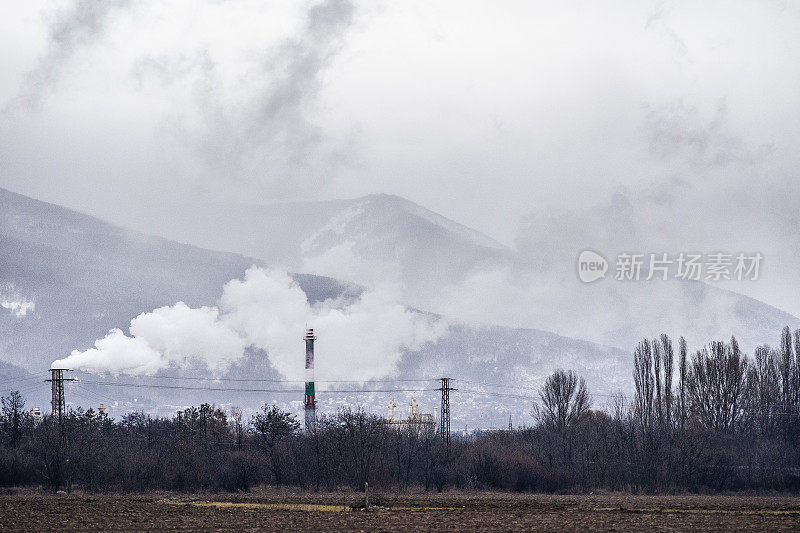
{"x":184,"y":188}
{"x":436,"y":264}
{"x":86,"y":277}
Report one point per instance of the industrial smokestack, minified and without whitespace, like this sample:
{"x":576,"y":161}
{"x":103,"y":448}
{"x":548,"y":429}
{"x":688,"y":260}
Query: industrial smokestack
{"x":310,"y":401}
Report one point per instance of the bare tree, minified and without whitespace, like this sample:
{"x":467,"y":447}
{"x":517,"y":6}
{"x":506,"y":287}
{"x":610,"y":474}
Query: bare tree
{"x":238,"y":426}
{"x":564,"y":400}
{"x":682,"y":369}
{"x":644,"y":382}
{"x":796,"y":380}
{"x":763,"y":390}
{"x":716,"y":384}
{"x":617,"y":406}
{"x":274,"y":426}
{"x":787,"y":369}
{"x":363,"y":433}
{"x":667,"y":360}
{"x":659,"y":398}
{"x":13,"y":417}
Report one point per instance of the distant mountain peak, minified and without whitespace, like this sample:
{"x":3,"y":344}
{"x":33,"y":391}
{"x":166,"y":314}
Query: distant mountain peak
{"x":392,"y":201}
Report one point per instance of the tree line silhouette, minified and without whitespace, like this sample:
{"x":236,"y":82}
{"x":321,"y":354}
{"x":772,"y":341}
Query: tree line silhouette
{"x":715,"y":420}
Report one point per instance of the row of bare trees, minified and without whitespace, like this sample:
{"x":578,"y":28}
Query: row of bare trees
{"x":713,"y":420}
{"x":719,"y":387}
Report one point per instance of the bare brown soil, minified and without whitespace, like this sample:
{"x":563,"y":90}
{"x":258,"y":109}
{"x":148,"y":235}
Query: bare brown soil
{"x":454,"y":511}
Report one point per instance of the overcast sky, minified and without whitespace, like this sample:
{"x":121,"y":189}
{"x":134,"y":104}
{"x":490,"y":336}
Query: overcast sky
{"x":678,"y":118}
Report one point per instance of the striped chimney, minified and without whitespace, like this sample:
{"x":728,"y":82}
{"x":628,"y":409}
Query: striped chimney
{"x":310,"y":401}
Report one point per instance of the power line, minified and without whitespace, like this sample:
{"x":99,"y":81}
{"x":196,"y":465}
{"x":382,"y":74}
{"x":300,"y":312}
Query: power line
{"x":22,"y":378}
{"x":89,"y":394}
{"x":532,"y":389}
{"x":497,"y":385}
{"x":331,"y":391}
{"x":29,"y":388}
{"x":236,"y":389}
{"x":377,"y":381}
{"x":498,"y":394}
{"x":265,"y":380}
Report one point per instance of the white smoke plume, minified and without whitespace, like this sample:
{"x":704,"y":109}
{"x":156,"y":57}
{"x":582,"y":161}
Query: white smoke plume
{"x":358,"y":340}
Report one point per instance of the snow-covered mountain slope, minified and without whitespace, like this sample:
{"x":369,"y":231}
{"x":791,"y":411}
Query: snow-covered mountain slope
{"x":436,"y":264}
{"x":378,"y":239}
{"x":76,"y":277}
{"x":67,"y":278}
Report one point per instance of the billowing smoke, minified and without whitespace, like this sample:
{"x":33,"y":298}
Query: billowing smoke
{"x":359,"y":340}
{"x":175,"y":335}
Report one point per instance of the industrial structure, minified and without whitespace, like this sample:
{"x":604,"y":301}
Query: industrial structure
{"x":57,"y":401}
{"x":444,"y":423}
{"x":310,"y":402}
{"x":415,"y":419}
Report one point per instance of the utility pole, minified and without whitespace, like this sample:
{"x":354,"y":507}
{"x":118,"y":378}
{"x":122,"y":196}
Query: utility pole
{"x":444,"y":422}
{"x":58,"y":404}
{"x":57,"y":401}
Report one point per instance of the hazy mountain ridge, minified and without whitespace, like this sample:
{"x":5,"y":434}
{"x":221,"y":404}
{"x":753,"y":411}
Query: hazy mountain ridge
{"x":445,"y":267}
{"x":374,"y":239}
{"x":87,"y":276}
{"x":278,"y":230}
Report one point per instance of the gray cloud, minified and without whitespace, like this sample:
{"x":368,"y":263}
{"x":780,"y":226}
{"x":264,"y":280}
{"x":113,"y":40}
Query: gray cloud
{"x":265,"y":136}
{"x":651,"y":125}
{"x":81,"y":24}
{"x":282,"y":113}
{"x":678,"y":130}
{"x":658,"y":21}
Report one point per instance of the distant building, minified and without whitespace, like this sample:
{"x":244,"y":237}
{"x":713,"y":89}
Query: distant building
{"x":415,"y":418}
{"x":100,"y":413}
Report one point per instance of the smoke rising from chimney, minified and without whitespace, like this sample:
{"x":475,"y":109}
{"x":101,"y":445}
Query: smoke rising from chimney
{"x":361,"y":339}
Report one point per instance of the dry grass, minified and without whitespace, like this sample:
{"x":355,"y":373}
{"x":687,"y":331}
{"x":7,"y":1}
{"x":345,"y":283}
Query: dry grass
{"x":455,"y":511}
